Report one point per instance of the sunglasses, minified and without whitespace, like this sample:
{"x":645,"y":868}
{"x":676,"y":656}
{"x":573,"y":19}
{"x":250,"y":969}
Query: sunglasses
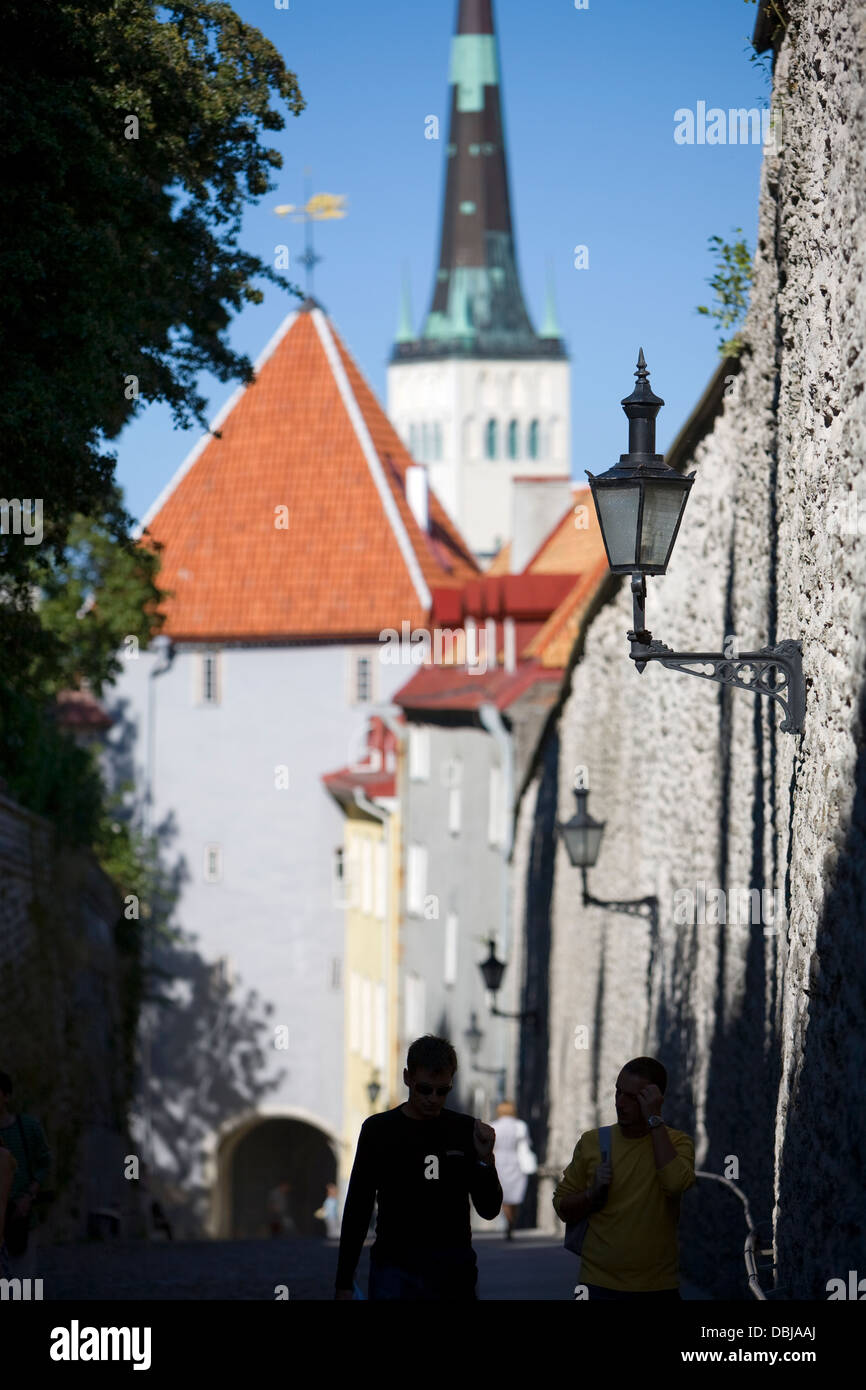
{"x":425,"y":1089}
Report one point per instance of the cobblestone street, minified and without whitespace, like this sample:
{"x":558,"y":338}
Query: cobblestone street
{"x":531,"y":1267}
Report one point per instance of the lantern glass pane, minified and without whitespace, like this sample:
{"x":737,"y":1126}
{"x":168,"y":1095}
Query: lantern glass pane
{"x":593,"y":843}
{"x":618,"y":509}
{"x":583,"y":843}
{"x":663,"y":504}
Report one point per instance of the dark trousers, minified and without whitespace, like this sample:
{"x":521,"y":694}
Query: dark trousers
{"x":439,"y":1280}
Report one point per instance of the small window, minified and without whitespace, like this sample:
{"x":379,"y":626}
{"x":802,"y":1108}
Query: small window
{"x":416,"y":879}
{"x":338,"y":880}
{"x":455,"y":809}
{"x":419,"y":753}
{"x":362,"y":677}
{"x":491,"y":443}
{"x":449,"y":974}
{"x":363,"y":680}
{"x":367,"y":877}
{"x":213,"y":867}
{"x":381,"y":882}
{"x":413,"y":441}
{"x":532,"y":440}
{"x":513,"y":450}
{"x":437,"y":442}
{"x":425,"y":442}
{"x":209,"y":678}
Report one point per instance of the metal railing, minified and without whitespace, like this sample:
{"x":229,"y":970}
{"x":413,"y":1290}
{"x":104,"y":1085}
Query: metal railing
{"x":750,"y":1250}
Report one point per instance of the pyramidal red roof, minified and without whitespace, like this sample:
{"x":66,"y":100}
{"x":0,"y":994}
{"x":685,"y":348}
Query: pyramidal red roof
{"x":295,"y":524}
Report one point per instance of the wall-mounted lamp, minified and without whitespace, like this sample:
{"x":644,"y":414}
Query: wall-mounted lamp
{"x":582,"y":839}
{"x":493,"y":970}
{"x":640,"y":504}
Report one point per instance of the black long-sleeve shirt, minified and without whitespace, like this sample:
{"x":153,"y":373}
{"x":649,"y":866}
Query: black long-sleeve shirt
{"x":423,"y":1173}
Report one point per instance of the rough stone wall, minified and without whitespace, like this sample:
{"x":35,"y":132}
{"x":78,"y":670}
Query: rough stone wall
{"x":60,"y":1019}
{"x":761,"y":1025}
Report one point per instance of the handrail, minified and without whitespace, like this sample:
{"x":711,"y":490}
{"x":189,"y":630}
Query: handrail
{"x":749,"y":1249}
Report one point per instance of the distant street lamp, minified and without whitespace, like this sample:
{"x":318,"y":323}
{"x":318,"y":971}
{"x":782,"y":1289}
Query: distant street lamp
{"x":373,"y":1088}
{"x":640,"y":504}
{"x":582,"y":839}
{"x":493,"y":971}
{"x":474,"y":1038}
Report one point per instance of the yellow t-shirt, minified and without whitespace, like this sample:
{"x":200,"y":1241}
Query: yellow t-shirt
{"x":631,"y":1244}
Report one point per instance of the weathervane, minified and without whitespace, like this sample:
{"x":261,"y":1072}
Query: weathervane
{"x":318,"y":207}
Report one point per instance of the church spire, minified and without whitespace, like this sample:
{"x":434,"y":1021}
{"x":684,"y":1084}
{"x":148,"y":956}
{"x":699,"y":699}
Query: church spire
{"x":478,"y":308}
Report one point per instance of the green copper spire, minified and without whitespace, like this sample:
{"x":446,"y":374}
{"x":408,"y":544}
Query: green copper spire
{"x":477,"y":308}
{"x":550,"y":327}
{"x":405,"y":331}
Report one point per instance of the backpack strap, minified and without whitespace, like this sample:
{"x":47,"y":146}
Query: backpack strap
{"x":604,"y":1143}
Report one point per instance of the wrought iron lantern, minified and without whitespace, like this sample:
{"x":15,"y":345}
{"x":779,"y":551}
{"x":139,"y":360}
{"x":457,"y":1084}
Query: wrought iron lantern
{"x":493,"y":970}
{"x":640,"y":504}
{"x":582,"y":839}
{"x":582,"y":834}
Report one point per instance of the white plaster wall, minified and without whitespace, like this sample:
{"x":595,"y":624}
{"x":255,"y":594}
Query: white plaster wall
{"x":463,"y":396}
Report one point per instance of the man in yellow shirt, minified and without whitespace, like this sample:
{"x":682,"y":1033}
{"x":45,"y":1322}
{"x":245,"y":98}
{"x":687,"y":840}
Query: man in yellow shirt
{"x":633,"y":1201}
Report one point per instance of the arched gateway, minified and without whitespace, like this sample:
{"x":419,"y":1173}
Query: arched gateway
{"x":251,"y":1156}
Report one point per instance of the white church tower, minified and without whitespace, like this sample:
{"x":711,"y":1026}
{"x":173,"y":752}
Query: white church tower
{"x":480,"y":397}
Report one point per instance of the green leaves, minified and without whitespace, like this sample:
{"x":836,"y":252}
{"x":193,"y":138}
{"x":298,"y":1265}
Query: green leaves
{"x":730,"y":285}
{"x":119,"y":252}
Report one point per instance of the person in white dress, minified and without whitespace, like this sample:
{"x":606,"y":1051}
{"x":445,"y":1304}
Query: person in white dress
{"x":515,"y":1160}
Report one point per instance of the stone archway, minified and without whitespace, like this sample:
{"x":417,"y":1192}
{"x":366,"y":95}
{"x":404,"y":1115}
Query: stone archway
{"x":257,"y":1154}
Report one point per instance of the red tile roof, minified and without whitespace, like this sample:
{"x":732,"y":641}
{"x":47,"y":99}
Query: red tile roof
{"x":308,"y":436}
{"x":456,"y":688}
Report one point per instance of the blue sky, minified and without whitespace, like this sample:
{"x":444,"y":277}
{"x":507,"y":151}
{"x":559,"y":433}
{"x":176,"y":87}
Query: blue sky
{"x":589,"y":99}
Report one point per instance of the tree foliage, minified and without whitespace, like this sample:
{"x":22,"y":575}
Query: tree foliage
{"x":730,"y":285}
{"x":131,"y":143}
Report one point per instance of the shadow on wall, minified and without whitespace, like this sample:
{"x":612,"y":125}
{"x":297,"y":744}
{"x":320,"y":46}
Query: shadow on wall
{"x":208,"y":1064}
{"x":821,"y":1226}
{"x":203,"y":1043}
{"x":533,"y":1094}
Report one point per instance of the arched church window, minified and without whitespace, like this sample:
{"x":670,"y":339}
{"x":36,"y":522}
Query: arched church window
{"x":413,"y":441}
{"x":437,"y":441}
{"x":490,"y":440}
{"x":425,"y":442}
{"x":533,"y":440}
{"x":512,"y":440}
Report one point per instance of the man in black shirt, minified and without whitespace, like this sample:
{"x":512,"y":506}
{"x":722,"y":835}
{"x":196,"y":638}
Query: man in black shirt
{"x":423,"y":1163}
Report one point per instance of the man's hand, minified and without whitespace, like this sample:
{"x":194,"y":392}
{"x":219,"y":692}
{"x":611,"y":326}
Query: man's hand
{"x":484,"y":1137}
{"x":600,"y":1183}
{"x":650,"y":1101}
{"x":343,"y":1293}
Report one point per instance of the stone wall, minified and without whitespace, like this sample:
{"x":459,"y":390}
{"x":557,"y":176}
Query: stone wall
{"x":761,"y":1025}
{"x":61,"y":1020}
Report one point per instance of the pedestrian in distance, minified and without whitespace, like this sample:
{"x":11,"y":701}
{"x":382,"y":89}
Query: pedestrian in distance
{"x":279,"y":1221}
{"x":631,"y":1202}
{"x":329,"y":1212}
{"x":423,"y":1163}
{"x":515,"y":1161}
{"x":23,"y":1136}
